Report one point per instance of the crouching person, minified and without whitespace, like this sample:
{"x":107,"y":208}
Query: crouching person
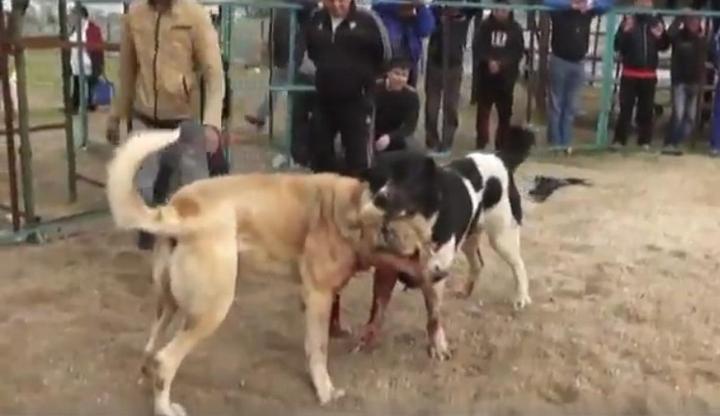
{"x":396,"y":108}
{"x":159,"y":89}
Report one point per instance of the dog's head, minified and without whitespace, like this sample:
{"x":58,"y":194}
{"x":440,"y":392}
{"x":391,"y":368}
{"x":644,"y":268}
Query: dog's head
{"x":404,"y":183}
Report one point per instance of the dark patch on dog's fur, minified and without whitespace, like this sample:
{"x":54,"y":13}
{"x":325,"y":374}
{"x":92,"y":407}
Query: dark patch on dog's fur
{"x":468,"y":169}
{"x":515,"y":201}
{"x":492,"y":194}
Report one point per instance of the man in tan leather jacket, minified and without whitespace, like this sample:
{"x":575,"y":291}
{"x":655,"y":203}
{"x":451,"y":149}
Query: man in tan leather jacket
{"x":166,"y":47}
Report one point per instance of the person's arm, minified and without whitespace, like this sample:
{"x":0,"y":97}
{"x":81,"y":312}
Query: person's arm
{"x":515,"y":48}
{"x":621,"y":36}
{"x":481,"y":45}
{"x":424,"y":22}
{"x":206,"y":48}
{"x":123,"y":102}
{"x":410,"y":119}
{"x":663,"y":42}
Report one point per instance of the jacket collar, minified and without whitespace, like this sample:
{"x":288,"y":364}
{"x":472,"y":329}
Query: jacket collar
{"x":350,"y":16}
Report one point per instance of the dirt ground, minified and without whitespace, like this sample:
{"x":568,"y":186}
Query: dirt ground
{"x":625,"y":319}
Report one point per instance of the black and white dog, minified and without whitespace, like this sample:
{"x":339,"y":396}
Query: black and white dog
{"x":468,"y":196}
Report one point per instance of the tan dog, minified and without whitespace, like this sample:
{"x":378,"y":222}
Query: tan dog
{"x":321,"y":228}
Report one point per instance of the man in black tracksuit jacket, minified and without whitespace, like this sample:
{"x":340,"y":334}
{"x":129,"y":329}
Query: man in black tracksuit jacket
{"x":639,"y":39}
{"x":397,"y":107}
{"x":443,"y":78}
{"x":349,"y":48}
{"x":499,"y":47}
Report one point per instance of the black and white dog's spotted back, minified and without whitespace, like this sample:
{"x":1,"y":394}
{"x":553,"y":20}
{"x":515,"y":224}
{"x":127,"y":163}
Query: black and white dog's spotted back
{"x":469,"y":195}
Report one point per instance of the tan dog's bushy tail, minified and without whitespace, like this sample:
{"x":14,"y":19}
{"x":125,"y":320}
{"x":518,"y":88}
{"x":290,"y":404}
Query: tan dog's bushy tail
{"x":128,"y":209}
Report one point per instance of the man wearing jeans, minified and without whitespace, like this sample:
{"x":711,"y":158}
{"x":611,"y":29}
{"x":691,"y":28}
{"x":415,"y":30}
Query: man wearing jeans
{"x":570,"y":41}
{"x":687,"y":39}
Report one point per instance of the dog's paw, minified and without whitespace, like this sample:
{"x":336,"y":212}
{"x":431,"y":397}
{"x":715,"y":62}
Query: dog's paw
{"x":522,"y":300}
{"x":330,"y":395}
{"x":439,"y":349}
{"x":174,"y":409}
{"x":368,"y":340}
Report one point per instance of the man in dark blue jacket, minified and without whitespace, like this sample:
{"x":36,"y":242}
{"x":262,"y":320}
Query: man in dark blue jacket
{"x":407,"y":26}
{"x":350,"y":48}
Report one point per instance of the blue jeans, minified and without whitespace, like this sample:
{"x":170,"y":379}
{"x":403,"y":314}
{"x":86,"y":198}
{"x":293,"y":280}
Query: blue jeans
{"x":684,"y":111}
{"x":566,"y":80}
{"x":715,"y":136}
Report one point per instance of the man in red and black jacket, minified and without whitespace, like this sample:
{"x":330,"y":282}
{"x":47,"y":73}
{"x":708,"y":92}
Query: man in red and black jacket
{"x":498,"y":48}
{"x":350,"y":48}
{"x":639,"y":39}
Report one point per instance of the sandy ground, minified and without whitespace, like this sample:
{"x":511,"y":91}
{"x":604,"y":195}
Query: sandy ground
{"x":625,"y":319}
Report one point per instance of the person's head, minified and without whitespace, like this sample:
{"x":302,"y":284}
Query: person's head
{"x":82,"y":12}
{"x":692,"y":23}
{"x":398,"y":74}
{"x":337,"y":8}
{"x":644,"y":3}
{"x":578,"y":4}
{"x":501,"y":14}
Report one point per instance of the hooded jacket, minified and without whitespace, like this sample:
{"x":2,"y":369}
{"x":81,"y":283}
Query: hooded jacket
{"x":500,"y":41}
{"x":639,"y":48}
{"x":162,"y":56}
{"x":456,"y":27}
{"x":406,"y":34}
{"x":688,"y":60}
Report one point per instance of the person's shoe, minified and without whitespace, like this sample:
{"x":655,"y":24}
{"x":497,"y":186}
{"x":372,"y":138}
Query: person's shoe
{"x":671,"y":150}
{"x":715,"y":153}
{"x":255,"y":121}
{"x":568,"y":151}
{"x":645,"y":147}
{"x":146,"y":241}
{"x":615,"y":147}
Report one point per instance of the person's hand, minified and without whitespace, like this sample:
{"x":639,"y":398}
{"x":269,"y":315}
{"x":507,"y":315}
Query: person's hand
{"x":628,"y":24}
{"x":494,"y":67}
{"x":212,"y":139}
{"x":112,"y":130}
{"x":382,"y":143}
{"x":657,"y":30}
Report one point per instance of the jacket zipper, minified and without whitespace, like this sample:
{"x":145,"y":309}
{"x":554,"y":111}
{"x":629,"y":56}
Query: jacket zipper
{"x":155,"y":58}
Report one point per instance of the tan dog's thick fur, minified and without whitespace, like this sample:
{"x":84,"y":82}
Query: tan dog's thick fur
{"x":321,"y":228}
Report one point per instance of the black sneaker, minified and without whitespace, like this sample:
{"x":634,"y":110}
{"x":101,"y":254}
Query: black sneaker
{"x":146,"y":241}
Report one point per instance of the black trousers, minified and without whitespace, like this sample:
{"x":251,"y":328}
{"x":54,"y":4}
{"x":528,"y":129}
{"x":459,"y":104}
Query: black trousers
{"x":501,"y":96}
{"x":640,"y":91}
{"x":353,"y":120}
{"x":90,"y":81}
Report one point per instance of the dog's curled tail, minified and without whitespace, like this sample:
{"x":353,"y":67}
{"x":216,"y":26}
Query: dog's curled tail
{"x":127,"y":207}
{"x":516,"y":147}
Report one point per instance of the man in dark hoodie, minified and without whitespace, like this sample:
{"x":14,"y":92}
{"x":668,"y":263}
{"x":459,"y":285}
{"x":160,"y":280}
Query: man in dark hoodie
{"x":499,"y":47}
{"x":686,"y":72}
{"x":444,"y":73}
{"x":570,"y":40}
{"x":639,"y":39}
{"x":396,"y":107}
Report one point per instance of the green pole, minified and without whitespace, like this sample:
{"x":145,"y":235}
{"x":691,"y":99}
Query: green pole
{"x":608,"y":80}
{"x":69,"y":131}
{"x":227,"y":13}
{"x":23,"y":114}
{"x":290,"y":81}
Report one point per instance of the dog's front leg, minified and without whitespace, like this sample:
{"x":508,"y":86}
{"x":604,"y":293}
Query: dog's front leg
{"x":433,"y":294}
{"x":384,"y":281}
{"x":317,"y":316}
{"x":336,"y":328}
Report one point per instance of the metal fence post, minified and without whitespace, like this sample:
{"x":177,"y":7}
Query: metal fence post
{"x":608,"y":80}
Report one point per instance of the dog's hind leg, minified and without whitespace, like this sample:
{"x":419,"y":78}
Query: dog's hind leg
{"x":471,"y":248}
{"x":165,"y":304}
{"x":203,"y":285}
{"x":506,"y":242}
{"x":317,"y":315}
